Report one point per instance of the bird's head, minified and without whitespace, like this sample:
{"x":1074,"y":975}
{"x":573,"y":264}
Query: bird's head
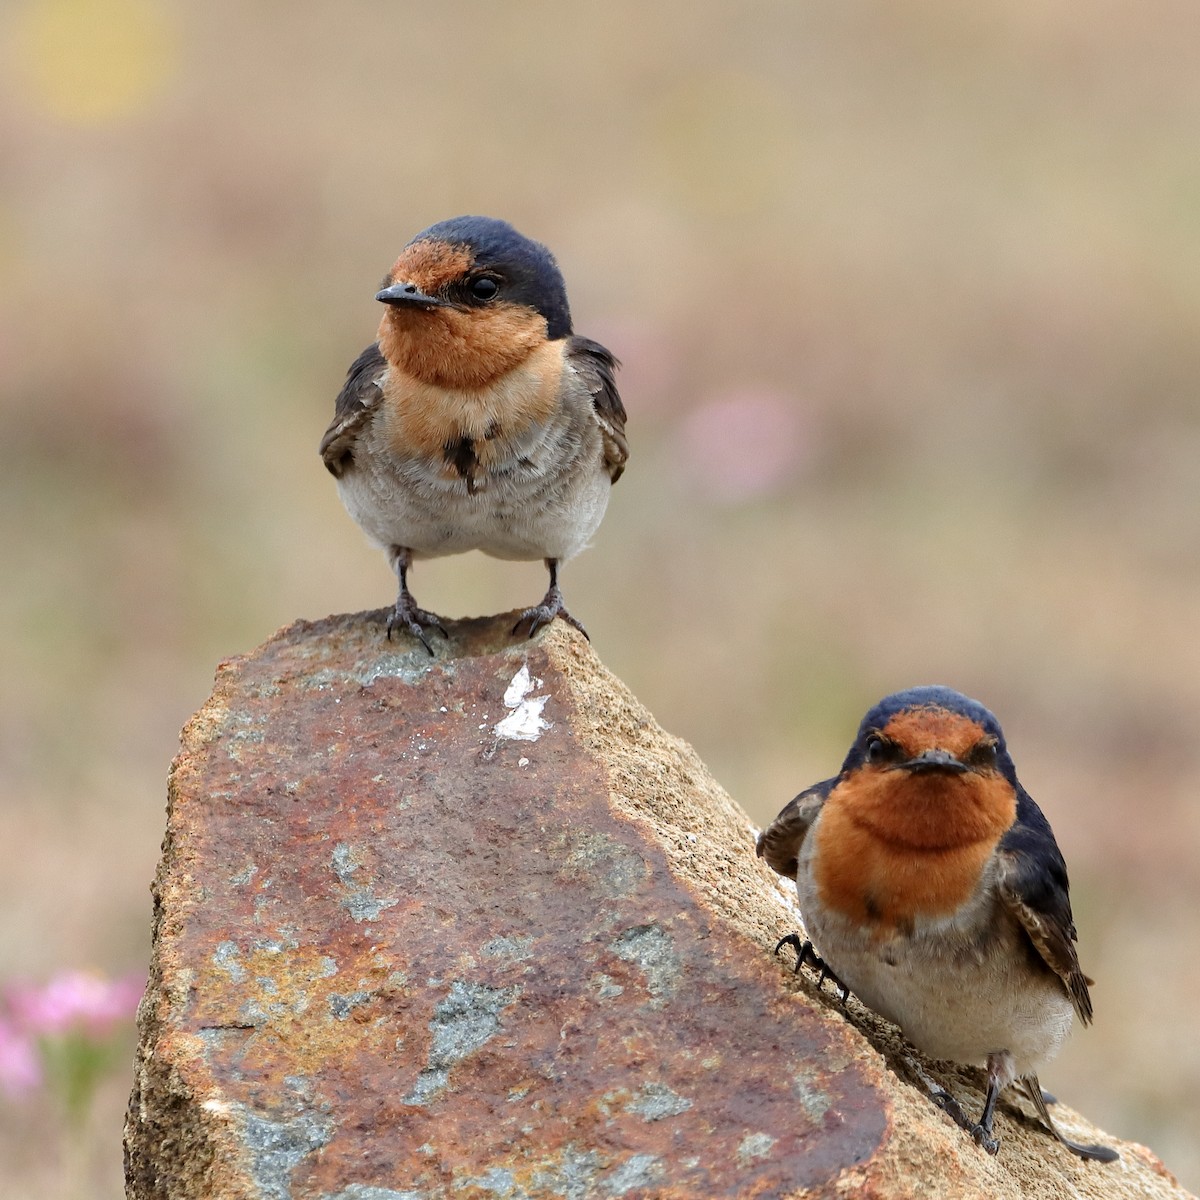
{"x":929,"y":768}
{"x":468,"y":300}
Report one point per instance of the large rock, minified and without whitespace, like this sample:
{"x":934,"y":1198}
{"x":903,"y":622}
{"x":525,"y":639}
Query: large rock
{"x":474,"y":926}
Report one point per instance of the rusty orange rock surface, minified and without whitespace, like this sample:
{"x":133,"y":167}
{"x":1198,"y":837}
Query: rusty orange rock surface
{"x":473,"y":926}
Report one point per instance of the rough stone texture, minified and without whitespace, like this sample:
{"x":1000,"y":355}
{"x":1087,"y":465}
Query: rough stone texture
{"x":475,"y":927}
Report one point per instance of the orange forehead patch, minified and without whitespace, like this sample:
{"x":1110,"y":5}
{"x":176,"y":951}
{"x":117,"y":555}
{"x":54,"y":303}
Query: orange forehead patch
{"x":431,"y":265}
{"x":932,"y":728}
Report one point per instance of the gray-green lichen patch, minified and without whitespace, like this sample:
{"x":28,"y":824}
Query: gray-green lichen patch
{"x":463,"y":1021}
{"x":276,"y":1148}
{"x":655,"y":1101}
{"x":814,"y":1099}
{"x":515,"y":948}
{"x":752,"y":1146}
{"x":225,"y":957}
{"x":640,"y":1172}
{"x":649,"y":948}
{"x":341,"y":1006}
{"x":607,"y":859}
{"x":364,"y":1191}
{"x":358,"y":897}
{"x":570,"y":1176}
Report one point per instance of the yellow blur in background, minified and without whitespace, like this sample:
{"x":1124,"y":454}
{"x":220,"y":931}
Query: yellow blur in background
{"x":907,"y":296}
{"x":94,"y":62}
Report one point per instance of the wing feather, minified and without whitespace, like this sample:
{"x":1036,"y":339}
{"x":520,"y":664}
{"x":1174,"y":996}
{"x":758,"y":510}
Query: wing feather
{"x":597,"y":367}
{"x":1033,"y":887}
{"x":780,"y":842}
{"x":356,"y":401}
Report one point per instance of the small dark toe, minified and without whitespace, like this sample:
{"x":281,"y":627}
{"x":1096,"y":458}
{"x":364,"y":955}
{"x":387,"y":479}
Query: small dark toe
{"x":806,"y":952}
{"x":543,"y":614}
{"x":986,"y":1139}
{"x":575,"y":624}
{"x":952,"y":1109}
{"x":534,"y":617}
{"x":793,"y":940}
{"x":397,"y":622}
{"x":415,"y":621}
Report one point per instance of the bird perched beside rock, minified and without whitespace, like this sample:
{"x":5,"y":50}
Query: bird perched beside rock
{"x":477,"y":420}
{"x":932,"y":887}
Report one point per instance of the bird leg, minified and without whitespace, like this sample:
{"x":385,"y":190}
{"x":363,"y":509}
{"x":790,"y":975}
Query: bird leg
{"x":952,"y":1108}
{"x":805,"y":952}
{"x":551,"y":606}
{"x":406,"y":613}
{"x":999,"y":1074}
{"x":1085,"y":1150}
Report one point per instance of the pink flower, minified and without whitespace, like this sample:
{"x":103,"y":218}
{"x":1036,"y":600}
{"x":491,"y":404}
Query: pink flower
{"x":20,"y":1071}
{"x":746,"y":443}
{"x":76,"y":999}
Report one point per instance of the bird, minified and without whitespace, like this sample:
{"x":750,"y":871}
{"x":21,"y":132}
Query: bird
{"x":931,"y":886}
{"x":477,"y":419}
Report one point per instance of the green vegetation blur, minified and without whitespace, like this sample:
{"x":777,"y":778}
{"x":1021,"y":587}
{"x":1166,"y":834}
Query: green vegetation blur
{"x":908,"y":298}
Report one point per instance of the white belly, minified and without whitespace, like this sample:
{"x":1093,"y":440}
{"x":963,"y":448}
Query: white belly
{"x":545,"y":498}
{"x":514,"y":519}
{"x":956,"y":995}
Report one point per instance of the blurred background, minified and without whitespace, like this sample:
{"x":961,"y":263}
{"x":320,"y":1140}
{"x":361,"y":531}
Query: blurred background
{"x":908,"y":297}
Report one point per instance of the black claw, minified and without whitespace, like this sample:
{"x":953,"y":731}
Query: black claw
{"x":805,"y":952}
{"x":412,"y":627}
{"x":984,"y":1137}
{"x":551,"y":606}
{"x":543,"y":614}
{"x":406,"y":613}
{"x":416,"y":620}
{"x":803,"y":949}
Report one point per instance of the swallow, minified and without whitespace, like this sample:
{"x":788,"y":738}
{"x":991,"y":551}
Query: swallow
{"x":477,"y":420}
{"x":932,"y":887}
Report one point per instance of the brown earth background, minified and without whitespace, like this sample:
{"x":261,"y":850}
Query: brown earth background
{"x":908,"y":298}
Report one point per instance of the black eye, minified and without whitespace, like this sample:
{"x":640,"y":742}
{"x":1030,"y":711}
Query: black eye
{"x":877,"y":749}
{"x":484,"y":288}
{"x":983,"y":754}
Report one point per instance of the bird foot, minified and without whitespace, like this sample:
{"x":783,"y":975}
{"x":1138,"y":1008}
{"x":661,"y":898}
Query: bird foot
{"x":951,"y":1107}
{"x":542,"y":614}
{"x":986,"y":1139}
{"x":416,"y":620}
{"x":805,"y":952}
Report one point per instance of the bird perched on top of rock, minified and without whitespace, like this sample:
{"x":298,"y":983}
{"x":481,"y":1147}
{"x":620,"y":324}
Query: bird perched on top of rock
{"x":478,"y":420}
{"x":932,"y":887}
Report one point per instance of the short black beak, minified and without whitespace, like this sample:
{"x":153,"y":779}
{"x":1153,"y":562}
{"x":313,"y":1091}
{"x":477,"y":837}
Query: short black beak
{"x":408,"y":293}
{"x":934,"y":760}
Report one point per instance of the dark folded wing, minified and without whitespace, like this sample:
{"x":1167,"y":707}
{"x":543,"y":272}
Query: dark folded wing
{"x":780,"y":842}
{"x":359,"y":396}
{"x":1033,"y":887}
{"x":597,"y":368}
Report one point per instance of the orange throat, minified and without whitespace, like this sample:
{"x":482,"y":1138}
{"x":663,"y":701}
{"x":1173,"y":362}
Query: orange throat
{"x":481,"y":424}
{"x":460,"y":348}
{"x":892,"y":847}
